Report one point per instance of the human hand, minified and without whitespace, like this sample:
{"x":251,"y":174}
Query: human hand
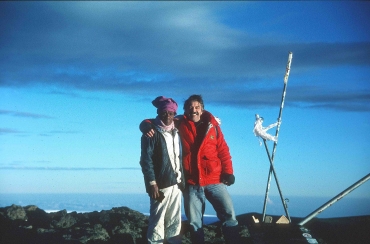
{"x":228,"y":179}
{"x":154,"y":191}
{"x":150,"y":133}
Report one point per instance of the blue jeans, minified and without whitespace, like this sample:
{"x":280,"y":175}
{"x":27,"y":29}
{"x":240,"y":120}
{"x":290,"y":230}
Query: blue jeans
{"x":195,"y":202}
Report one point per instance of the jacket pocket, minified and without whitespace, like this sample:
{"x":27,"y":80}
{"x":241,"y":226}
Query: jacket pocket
{"x":210,"y":166}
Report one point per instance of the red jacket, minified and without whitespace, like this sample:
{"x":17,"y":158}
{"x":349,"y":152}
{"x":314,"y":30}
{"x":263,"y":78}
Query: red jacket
{"x":206,"y":156}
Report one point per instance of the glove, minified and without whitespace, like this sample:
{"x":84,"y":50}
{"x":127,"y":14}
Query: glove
{"x":227,"y":179}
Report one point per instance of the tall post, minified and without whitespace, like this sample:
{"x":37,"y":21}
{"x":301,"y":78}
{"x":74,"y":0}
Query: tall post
{"x":272,"y":168}
{"x":287,"y":72}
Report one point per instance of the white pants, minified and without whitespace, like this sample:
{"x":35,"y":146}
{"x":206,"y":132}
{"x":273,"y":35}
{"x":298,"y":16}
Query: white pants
{"x":165,"y":217}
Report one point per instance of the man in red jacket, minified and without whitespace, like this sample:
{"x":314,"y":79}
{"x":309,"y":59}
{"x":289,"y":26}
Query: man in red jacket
{"x":208,"y":169}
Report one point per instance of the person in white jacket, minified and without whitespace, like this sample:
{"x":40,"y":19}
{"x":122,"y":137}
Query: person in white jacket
{"x":161,"y":163}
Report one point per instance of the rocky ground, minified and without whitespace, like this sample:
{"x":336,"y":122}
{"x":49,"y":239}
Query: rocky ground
{"x":30,"y":224}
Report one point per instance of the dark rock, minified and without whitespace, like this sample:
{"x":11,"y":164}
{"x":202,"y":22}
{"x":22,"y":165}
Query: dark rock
{"x":31,"y":225}
{"x":37,"y":217}
{"x":16,"y":212}
{"x":65,"y":220}
{"x":25,"y":225}
{"x":97,"y":233}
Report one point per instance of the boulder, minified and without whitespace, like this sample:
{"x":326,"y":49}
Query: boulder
{"x":16,"y":212}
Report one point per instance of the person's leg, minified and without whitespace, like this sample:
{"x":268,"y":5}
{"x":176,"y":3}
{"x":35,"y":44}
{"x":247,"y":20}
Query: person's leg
{"x":220,"y":199}
{"x":173,"y":215}
{"x":194,"y":205}
{"x":155,"y":232}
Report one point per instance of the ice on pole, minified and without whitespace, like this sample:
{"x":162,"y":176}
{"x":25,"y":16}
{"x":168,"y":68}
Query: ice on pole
{"x":261,"y":131}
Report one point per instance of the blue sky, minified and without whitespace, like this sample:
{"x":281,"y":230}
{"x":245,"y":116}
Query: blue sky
{"x":77,"y":78}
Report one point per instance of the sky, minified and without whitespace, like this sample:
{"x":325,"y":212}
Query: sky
{"x":77,"y":78}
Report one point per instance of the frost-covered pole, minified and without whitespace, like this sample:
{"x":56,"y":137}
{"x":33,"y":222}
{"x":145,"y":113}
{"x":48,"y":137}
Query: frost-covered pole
{"x":275,"y":143}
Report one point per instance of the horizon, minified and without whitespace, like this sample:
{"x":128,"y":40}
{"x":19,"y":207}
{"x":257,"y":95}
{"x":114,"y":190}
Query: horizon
{"x":77,"y":78}
{"x":298,"y":207}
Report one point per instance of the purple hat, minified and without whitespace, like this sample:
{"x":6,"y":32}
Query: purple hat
{"x":164,"y":104}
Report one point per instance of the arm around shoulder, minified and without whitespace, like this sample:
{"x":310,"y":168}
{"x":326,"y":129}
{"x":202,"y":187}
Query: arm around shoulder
{"x":146,"y":125}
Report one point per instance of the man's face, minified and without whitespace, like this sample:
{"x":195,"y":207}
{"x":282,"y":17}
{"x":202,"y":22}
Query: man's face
{"x":194,"y":111}
{"x":167,"y":117}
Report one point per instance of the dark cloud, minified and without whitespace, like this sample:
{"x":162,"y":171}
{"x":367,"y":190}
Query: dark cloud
{"x":127,"y":47}
{"x":4,"y":131}
{"x":24,"y":114}
{"x":335,"y":99}
{"x":63,"y":132}
{"x":318,"y":55}
{"x":296,"y":96}
{"x":57,"y":132}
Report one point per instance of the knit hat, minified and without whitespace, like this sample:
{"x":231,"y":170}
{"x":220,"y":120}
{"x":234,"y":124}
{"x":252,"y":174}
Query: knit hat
{"x":164,"y":104}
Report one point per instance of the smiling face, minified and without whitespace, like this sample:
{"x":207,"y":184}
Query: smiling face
{"x":194,"y":111}
{"x":167,"y":117}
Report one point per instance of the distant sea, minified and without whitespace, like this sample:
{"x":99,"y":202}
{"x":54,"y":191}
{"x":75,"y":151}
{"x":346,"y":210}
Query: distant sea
{"x":297,"y":206}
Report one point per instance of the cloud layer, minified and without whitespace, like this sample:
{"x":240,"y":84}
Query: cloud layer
{"x":127,"y":47}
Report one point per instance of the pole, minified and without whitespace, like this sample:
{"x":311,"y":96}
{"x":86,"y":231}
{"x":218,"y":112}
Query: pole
{"x":277,"y":182}
{"x":287,"y":72}
{"x":335,"y":199}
